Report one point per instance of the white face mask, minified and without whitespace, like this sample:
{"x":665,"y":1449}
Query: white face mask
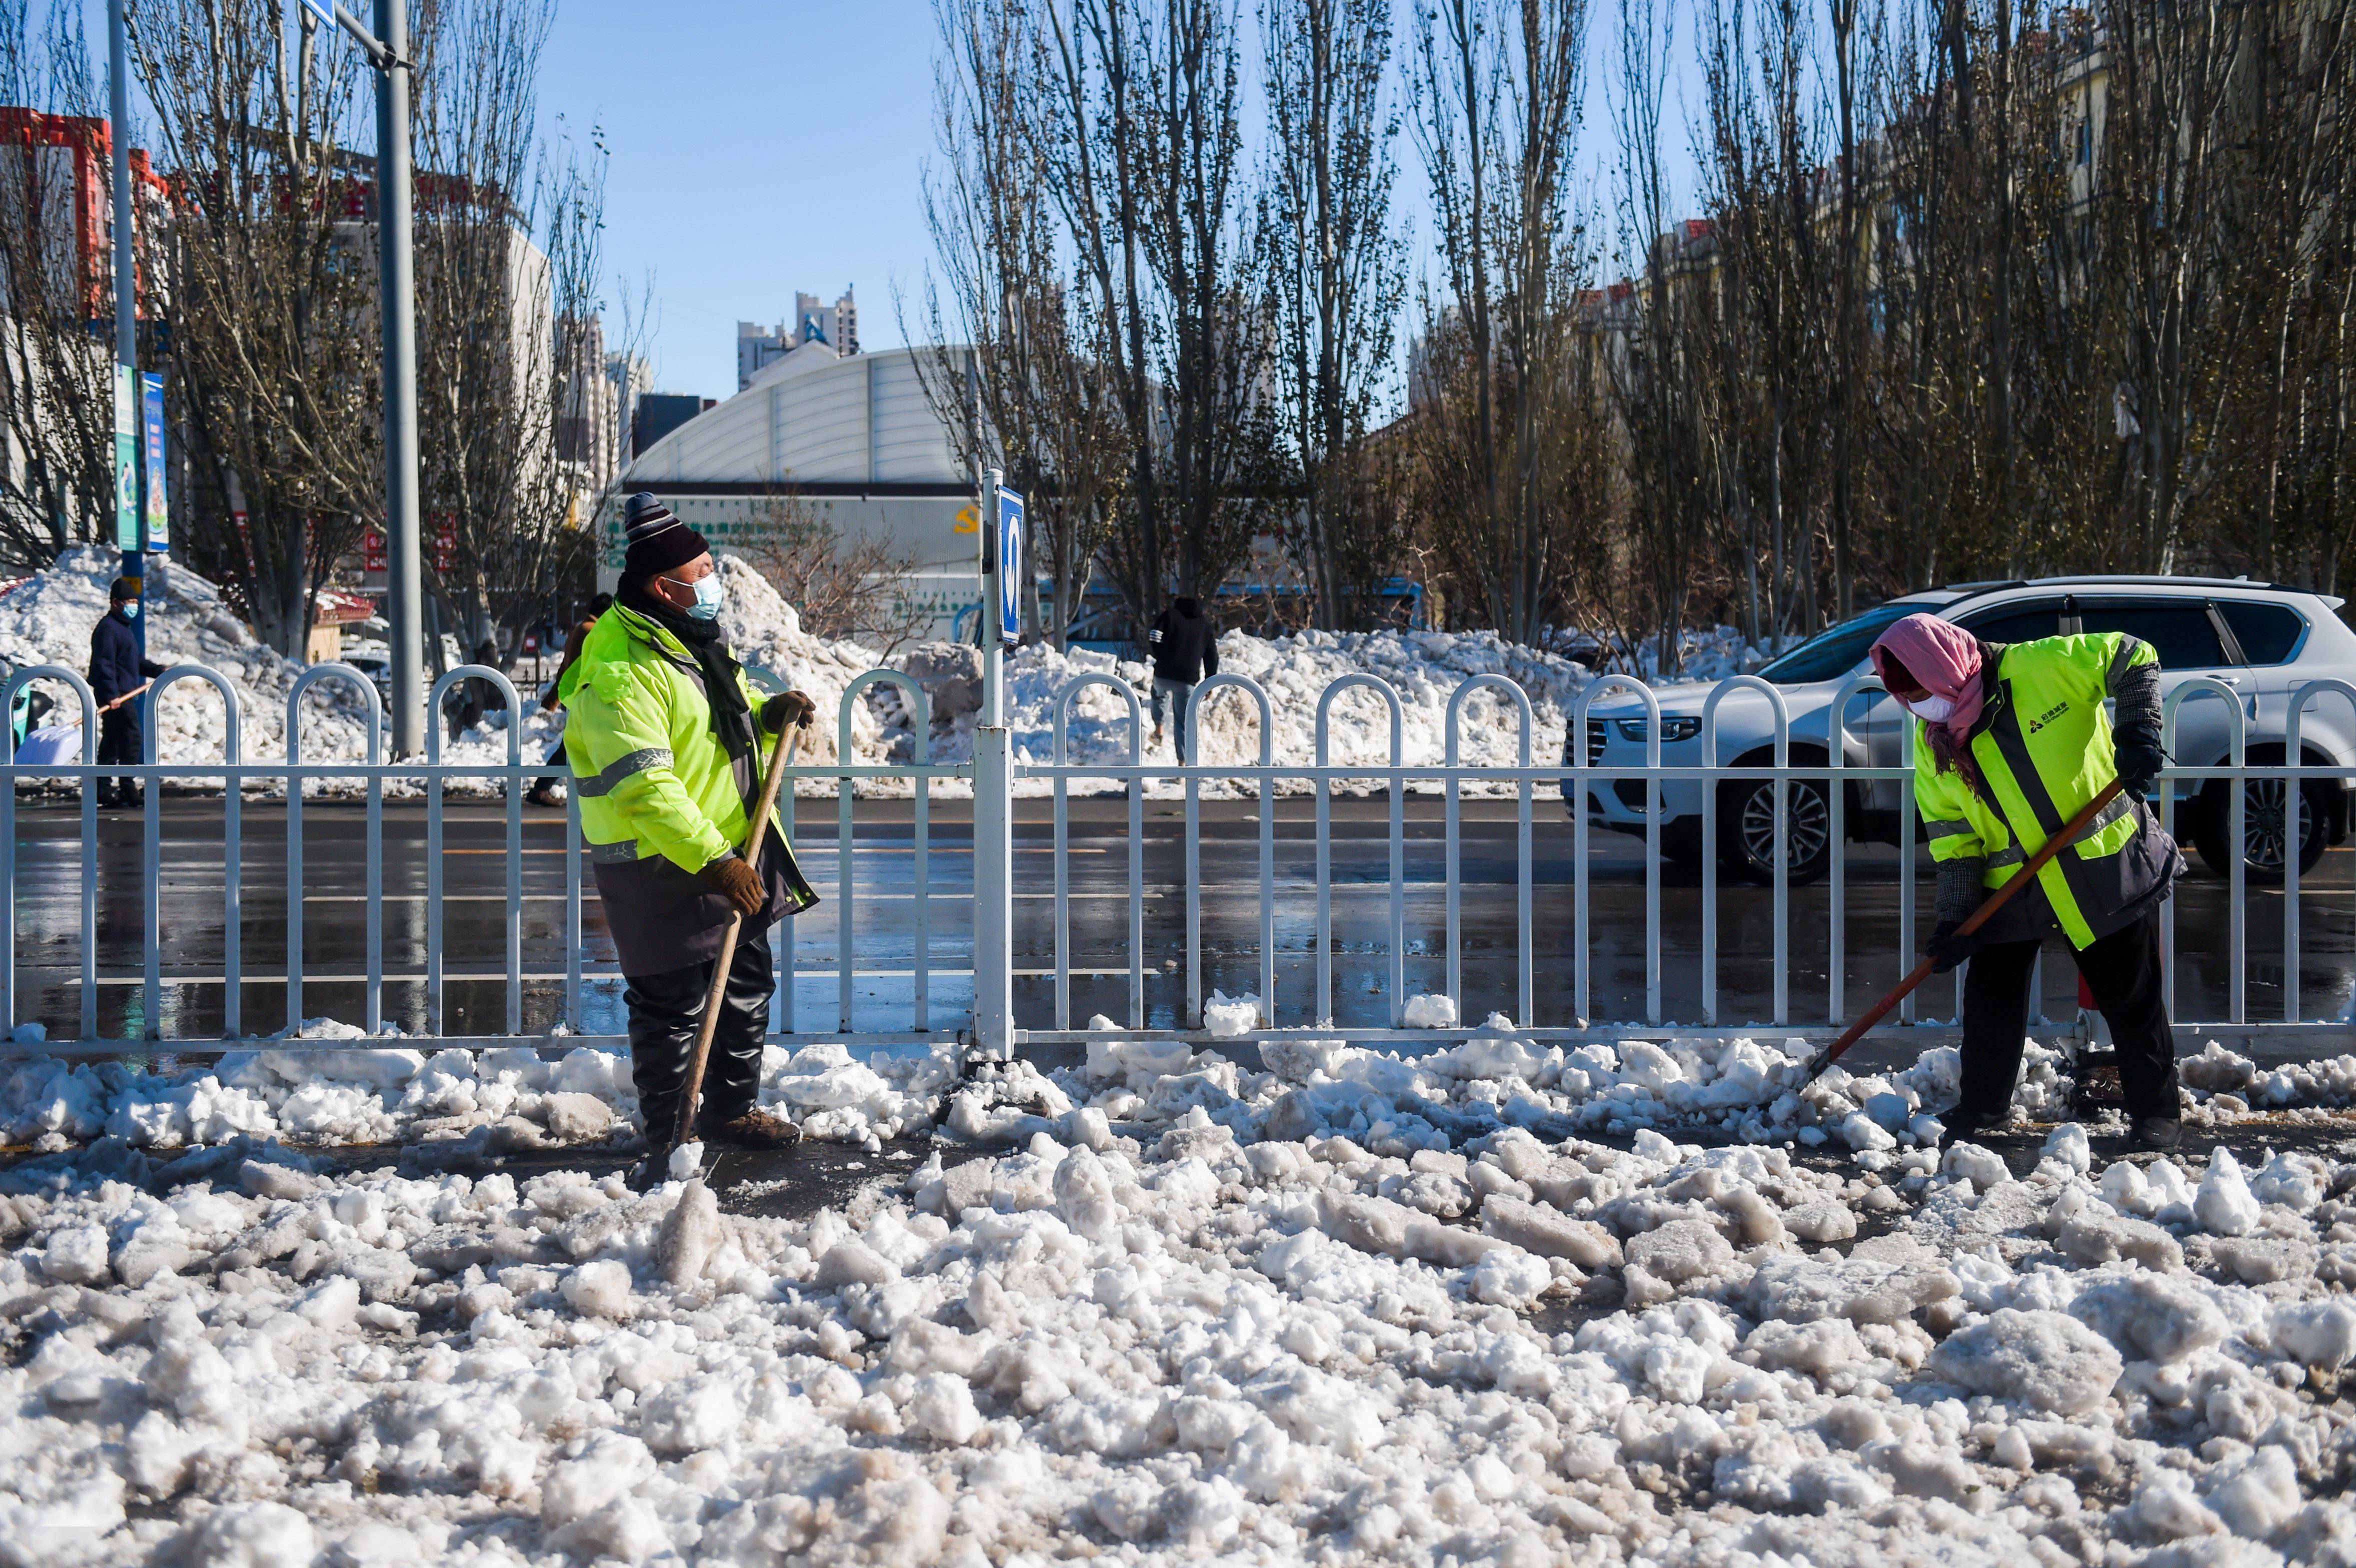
{"x":708,"y":593}
{"x":1933,"y":709}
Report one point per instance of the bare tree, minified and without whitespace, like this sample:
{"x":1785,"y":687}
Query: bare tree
{"x":1145,"y":138}
{"x":1497,"y":96}
{"x":1029,"y":392}
{"x":840,"y":588}
{"x":1338,"y":271}
{"x":57,"y":411}
{"x":274,"y":346}
{"x":1761,"y":184}
{"x":508,"y":256}
{"x":1658,"y":376}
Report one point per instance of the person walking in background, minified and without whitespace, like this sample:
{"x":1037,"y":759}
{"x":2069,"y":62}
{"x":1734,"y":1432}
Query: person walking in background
{"x":474,"y":699}
{"x":2013,"y":743}
{"x":543,"y":790}
{"x":117,"y":677}
{"x":1185,"y":651}
{"x":667,"y":741}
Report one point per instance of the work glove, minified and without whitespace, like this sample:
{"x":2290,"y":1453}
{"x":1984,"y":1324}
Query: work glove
{"x":738,"y":882}
{"x":1950,"y":946}
{"x":2138,"y":763}
{"x":788,"y":707}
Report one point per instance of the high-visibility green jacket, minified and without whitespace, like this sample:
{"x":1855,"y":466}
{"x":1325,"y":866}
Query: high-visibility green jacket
{"x":2043,"y":746}
{"x":660,"y":797}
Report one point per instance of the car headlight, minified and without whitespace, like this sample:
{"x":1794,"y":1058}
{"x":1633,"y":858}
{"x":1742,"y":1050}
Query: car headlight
{"x":1672,"y":729}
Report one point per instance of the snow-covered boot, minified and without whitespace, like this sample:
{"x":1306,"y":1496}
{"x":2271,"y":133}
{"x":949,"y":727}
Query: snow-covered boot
{"x":756,"y":1128}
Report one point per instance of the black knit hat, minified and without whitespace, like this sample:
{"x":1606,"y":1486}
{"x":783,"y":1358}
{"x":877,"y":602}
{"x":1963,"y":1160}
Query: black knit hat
{"x":659,"y":542}
{"x":123,"y":589}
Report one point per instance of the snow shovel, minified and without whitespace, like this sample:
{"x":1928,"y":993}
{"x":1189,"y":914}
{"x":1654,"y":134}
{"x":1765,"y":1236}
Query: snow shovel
{"x":1979,"y":917}
{"x":756,"y":835}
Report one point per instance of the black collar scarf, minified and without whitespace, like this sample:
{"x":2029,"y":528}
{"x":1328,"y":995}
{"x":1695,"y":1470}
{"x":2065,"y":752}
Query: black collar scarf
{"x":732,"y":716}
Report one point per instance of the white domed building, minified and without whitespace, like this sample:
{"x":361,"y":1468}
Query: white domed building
{"x":851,"y":441}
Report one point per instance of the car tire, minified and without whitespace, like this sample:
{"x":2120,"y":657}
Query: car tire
{"x":1746,"y":829}
{"x":2262,"y":829}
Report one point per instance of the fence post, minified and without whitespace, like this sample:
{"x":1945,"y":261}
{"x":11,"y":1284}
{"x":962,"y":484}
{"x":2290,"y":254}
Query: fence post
{"x":993,"y":816}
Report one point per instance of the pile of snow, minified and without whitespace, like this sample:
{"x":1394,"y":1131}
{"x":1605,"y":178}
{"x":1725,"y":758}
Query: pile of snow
{"x":463,"y":1104}
{"x":1425,"y":667}
{"x":1398,"y":1103}
{"x":2225,"y":1085}
{"x":48,"y":619}
{"x":762,"y":629}
{"x":1191,"y":1343}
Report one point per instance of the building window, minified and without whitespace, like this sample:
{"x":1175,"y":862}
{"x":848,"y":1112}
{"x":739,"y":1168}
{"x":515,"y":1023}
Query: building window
{"x":2085,"y":142}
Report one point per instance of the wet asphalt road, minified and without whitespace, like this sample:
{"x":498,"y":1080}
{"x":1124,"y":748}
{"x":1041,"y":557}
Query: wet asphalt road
{"x":473,"y":909}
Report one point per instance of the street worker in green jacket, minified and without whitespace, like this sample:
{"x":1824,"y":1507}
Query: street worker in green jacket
{"x":2013,"y":742}
{"x":668,"y":741}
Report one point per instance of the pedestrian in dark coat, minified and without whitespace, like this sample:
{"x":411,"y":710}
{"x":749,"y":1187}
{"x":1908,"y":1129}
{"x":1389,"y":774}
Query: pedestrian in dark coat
{"x":117,"y":677}
{"x":1185,"y":652}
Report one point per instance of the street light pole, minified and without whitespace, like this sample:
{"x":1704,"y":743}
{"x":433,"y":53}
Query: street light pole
{"x":405,"y":585}
{"x":388,"y":50}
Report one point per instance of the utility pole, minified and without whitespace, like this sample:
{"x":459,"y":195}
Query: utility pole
{"x":388,"y":50}
{"x":126,"y":316}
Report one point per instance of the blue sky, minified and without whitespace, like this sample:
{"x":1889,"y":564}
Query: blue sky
{"x":758,"y":149}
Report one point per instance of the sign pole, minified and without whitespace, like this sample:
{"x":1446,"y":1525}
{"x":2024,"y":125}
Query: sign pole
{"x":126,"y":314}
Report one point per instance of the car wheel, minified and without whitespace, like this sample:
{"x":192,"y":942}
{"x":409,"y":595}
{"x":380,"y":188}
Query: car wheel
{"x":2264,"y":829}
{"x":1746,"y":829}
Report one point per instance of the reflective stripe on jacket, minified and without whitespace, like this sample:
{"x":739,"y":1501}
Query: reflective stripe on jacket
{"x":660,"y":797}
{"x":652,"y":776}
{"x":2044,"y":747}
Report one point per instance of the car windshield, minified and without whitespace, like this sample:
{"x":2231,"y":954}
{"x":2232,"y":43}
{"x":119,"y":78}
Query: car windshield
{"x":1834,"y":652}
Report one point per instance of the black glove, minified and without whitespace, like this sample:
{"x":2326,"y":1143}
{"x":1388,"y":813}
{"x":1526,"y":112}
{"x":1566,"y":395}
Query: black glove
{"x":738,"y":882}
{"x":1949,"y":946}
{"x":2138,"y":763}
{"x":788,"y":707}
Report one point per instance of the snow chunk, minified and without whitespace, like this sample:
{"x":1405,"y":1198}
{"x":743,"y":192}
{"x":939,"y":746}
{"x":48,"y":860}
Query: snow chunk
{"x":1228,"y":1017}
{"x":2042,"y":1358}
{"x":1429,"y":1010}
{"x":599,"y":1289}
{"x":2225,"y":1206}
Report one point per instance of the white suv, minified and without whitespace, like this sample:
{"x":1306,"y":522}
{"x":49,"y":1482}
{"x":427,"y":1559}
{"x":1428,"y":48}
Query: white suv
{"x":2261,"y":640}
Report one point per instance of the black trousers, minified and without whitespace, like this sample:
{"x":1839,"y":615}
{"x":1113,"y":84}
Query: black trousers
{"x":118,"y":742}
{"x":666,"y":1011}
{"x":2122,"y":969}
{"x":555,"y":760}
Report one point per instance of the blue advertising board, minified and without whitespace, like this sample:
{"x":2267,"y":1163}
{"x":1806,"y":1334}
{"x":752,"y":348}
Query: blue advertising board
{"x":1010,"y":565}
{"x":158,"y":510}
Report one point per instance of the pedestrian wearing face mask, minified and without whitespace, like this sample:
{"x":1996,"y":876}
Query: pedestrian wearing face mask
{"x":2013,"y":742}
{"x":118,"y":676}
{"x":667,"y":740}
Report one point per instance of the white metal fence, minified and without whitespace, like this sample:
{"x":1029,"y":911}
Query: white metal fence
{"x":1553,"y":987}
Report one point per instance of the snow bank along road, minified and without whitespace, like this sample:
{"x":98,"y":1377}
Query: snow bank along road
{"x":1495,"y":1305}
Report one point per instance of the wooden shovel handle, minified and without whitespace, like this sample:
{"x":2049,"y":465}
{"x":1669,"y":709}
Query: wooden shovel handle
{"x":756,"y":834}
{"x":2069,"y":834}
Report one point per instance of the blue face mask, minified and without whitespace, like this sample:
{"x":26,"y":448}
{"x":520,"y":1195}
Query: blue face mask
{"x":131,"y":609}
{"x":708,"y":594}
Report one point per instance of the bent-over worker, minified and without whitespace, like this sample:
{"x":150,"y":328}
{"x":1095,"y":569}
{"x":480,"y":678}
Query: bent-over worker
{"x":2013,"y":742}
{"x":668,"y":741}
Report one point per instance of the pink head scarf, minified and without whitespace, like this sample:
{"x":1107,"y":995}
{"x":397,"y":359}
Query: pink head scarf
{"x":1946,"y":659}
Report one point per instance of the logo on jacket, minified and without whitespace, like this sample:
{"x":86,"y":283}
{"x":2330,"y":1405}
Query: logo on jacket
{"x":2048,"y":716}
